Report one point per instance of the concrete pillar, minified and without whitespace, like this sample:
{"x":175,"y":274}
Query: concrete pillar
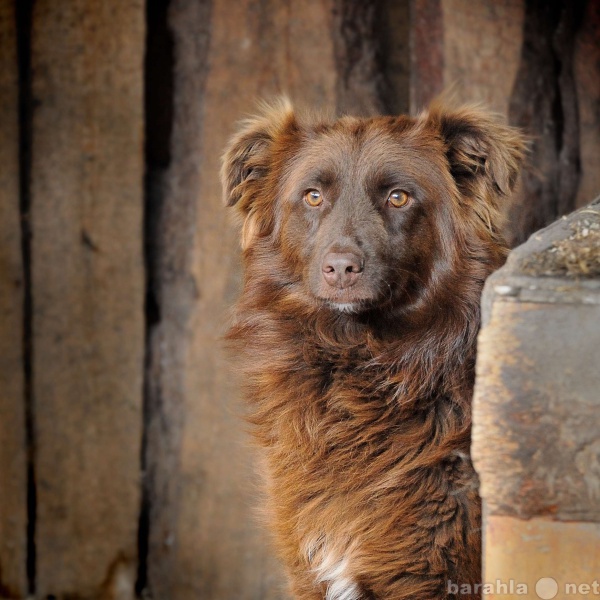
{"x":536,"y":432}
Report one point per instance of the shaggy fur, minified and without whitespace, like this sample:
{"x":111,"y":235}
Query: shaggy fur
{"x":361,"y":392}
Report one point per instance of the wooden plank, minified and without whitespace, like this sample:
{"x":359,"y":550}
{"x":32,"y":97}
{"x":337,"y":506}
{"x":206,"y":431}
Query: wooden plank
{"x":13,"y":448}
{"x":173,"y":291}
{"x":469,"y":48}
{"x":482,"y":47}
{"x":587,"y":77}
{"x":394,"y":27}
{"x":357,"y":37}
{"x":427,"y":53}
{"x":544,"y":102}
{"x":87,"y":281}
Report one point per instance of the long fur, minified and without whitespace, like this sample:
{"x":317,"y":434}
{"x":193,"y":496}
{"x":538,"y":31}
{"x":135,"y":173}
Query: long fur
{"x":364,"y":413}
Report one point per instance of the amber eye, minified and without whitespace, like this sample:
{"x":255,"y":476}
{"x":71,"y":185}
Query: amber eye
{"x":313,"y":198}
{"x":398,"y":198}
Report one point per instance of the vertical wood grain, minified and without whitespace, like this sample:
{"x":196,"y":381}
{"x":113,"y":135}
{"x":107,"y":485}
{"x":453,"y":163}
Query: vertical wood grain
{"x":544,"y":103}
{"x":469,"y":49}
{"x":360,"y":88}
{"x":87,"y":286}
{"x":587,"y":78}
{"x":13,"y":445}
{"x":482,"y":48}
{"x":426,"y":52}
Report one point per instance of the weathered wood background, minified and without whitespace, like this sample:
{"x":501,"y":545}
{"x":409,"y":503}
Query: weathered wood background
{"x":124,"y":468}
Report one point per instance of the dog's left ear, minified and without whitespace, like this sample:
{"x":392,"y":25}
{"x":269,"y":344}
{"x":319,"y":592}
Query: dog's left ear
{"x":484,"y":154}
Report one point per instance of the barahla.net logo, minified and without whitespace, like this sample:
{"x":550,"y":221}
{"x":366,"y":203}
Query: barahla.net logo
{"x":498,"y":587}
{"x":546,"y":588}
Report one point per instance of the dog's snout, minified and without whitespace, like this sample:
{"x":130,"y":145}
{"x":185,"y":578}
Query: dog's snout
{"x":342,"y":269}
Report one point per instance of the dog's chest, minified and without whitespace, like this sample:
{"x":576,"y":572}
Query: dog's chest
{"x":345,"y":422}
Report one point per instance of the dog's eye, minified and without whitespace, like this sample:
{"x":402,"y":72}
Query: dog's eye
{"x":313,"y":198}
{"x":398,"y":198}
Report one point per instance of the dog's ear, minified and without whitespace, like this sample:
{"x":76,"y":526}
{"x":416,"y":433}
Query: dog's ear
{"x":247,"y":156}
{"x":479,"y":145}
{"x":484,"y":156}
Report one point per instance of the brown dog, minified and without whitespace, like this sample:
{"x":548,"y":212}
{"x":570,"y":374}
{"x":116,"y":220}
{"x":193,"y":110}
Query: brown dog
{"x":366,"y":246}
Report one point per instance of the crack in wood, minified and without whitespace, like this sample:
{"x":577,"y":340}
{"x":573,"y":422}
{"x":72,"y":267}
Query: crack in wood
{"x":24,"y":10}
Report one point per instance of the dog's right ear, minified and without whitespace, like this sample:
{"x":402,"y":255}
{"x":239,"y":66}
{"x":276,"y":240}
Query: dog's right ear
{"x":247,"y":157}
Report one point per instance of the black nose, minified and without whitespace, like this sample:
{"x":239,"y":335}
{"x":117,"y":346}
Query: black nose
{"x":342,"y":269}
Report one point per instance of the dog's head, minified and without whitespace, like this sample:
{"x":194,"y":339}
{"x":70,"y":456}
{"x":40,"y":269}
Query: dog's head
{"x":365,"y":212}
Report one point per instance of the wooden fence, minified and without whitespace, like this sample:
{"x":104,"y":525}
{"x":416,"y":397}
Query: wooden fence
{"x":124,"y":469}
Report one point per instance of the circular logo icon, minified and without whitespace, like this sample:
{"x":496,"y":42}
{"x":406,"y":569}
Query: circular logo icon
{"x":546,"y":588}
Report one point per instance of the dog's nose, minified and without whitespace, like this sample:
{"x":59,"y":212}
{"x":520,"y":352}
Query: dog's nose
{"x":342,"y":269}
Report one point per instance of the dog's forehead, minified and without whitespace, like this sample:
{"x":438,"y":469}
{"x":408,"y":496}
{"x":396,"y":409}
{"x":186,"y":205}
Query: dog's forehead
{"x":352,"y":145}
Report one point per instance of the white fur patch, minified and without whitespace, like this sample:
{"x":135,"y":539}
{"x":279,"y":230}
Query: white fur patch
{"x":347,"y":307}
{"x":332,"y":570}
